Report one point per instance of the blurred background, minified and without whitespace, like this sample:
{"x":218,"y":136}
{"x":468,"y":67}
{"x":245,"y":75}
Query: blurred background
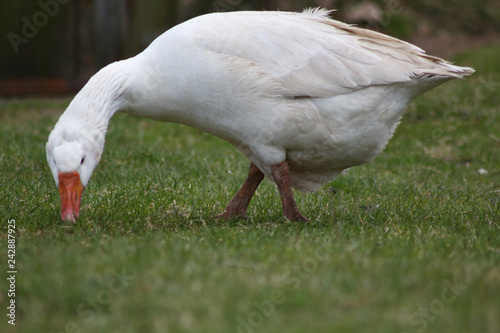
{"x":51,"y":47}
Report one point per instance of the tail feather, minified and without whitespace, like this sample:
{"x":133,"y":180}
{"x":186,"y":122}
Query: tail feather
{"x":428,"y":64}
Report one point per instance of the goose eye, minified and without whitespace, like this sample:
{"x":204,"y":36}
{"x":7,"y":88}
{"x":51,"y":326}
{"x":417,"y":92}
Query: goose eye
{"x":83,"y":160}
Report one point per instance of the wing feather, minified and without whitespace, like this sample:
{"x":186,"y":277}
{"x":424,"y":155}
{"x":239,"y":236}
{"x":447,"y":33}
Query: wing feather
{"x":312,"y":55}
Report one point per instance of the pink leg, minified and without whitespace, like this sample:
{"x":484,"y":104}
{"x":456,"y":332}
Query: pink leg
{"x":239,"y":204}
{"x":281,"y":175}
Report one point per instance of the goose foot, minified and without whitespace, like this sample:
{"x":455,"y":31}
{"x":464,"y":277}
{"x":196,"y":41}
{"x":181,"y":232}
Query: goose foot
{"x":281,"y":175}
{"x":237,"y":207}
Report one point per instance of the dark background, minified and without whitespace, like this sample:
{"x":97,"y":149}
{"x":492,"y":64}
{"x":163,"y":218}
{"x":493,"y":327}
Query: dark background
{"x":69,"y":40}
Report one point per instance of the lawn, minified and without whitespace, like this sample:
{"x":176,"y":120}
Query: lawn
{"x":407,"y":243}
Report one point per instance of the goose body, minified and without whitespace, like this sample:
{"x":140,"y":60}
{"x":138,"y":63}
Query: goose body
{"x":301,"y":95}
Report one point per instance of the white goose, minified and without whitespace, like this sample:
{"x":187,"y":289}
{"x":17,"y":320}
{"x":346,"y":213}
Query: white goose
{"x":301,"y":95}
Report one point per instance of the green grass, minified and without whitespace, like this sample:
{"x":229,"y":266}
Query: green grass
{"x":386,"y":242}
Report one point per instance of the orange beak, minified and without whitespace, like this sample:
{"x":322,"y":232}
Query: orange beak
{"x":71,"y":190}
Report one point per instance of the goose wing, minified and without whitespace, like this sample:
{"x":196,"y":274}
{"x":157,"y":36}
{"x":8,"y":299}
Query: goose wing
{"x":311,"y":55}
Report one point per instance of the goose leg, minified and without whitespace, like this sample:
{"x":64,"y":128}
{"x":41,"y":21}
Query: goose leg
{"x":281,"y":175}
{"x":239,"y":204}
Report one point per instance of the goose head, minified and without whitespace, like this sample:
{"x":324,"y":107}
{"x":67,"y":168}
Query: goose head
{"x":72,"y":156}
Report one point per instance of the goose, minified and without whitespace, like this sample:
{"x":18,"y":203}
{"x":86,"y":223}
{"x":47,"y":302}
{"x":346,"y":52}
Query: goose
{"x":301,"y":95}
